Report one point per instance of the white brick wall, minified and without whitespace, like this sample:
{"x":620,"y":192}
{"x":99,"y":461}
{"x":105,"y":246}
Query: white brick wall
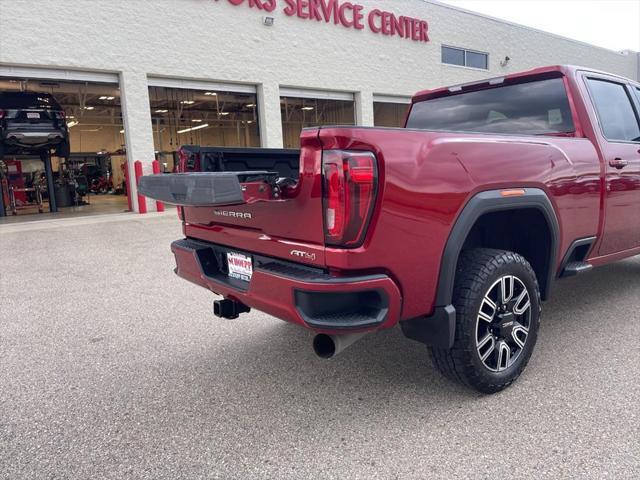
{"x":213,"y":40}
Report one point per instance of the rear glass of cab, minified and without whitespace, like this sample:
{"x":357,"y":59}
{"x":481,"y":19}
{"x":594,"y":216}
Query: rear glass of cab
{"x":532,"y":108}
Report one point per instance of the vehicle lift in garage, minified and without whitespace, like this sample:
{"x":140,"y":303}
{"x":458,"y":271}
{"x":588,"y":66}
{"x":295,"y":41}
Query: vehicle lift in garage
{"x":8,"y":196}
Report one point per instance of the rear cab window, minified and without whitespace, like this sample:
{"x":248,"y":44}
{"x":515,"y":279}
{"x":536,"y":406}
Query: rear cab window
{"x":538,"y":107}
{"x":617,"y":116}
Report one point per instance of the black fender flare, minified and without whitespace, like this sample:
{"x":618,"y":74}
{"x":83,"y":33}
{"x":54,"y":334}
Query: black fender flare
{"x":439,"y":329}
{"x":488,"y":202}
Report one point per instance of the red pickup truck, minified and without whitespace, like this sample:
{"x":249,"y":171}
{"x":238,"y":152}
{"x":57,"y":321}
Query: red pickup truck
{"x":455,"y":227}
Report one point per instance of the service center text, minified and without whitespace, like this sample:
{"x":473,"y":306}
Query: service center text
{"x":347,"y":14}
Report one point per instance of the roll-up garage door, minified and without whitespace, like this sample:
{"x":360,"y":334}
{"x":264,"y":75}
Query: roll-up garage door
{"x":316,"y":94}
{"x":57,"y":74}
{"x":200,"y":85}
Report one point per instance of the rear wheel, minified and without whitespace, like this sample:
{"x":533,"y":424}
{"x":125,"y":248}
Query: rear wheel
{"x":497,"y":301}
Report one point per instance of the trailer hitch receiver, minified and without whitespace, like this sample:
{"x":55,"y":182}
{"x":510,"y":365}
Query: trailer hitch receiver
{"x":229,"y":309}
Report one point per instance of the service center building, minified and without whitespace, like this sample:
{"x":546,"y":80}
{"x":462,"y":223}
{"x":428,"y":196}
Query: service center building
{"x":140,"y":78}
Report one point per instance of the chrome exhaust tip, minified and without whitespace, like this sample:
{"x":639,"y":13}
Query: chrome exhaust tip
{"x":328,"y":346}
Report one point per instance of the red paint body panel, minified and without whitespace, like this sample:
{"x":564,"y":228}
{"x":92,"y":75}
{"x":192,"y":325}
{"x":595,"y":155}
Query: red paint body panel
{"x":298,"y":217}
{"x":428,"y":177}
{"x":425,"y":179}
{"x":275,"y":294}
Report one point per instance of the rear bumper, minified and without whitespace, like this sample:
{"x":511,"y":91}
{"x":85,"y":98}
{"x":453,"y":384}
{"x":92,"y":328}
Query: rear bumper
{"x":33,"y":137}
{"x":306,"y":296}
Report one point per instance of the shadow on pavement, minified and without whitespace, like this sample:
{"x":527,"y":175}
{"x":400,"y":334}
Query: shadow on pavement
{"x":387,"y":364}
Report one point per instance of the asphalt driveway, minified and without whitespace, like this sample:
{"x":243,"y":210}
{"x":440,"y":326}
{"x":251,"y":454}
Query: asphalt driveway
{"x":112,"y":367}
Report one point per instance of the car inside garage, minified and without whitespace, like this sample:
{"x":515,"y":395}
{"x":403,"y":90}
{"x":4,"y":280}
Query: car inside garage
{"x":62,"y":148}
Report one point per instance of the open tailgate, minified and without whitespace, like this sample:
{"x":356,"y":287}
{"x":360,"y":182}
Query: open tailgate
{"x":256,"y":211}
{"x":207,"y":189}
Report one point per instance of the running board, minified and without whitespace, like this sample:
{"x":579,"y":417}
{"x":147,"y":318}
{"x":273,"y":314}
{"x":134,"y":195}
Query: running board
{"x":576,"y":268}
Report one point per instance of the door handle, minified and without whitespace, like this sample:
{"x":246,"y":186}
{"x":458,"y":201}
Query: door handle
{"x":618,"y":163}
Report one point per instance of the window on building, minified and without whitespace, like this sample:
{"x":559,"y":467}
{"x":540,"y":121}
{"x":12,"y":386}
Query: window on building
{"x":201,"y":117}
{"x":532,"y":108}
{"x":299,"y":113}
{"x":465,"y":58}
{"x":615,"y":111}
{"x":389,"y":114}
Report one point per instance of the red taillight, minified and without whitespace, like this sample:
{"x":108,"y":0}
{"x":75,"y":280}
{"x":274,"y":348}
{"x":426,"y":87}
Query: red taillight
{"x":188,"y":161}
{"x":183,"y":157}
{"x":350,"y":181}
{"x":2,"y":114}
{"x":60,"y":115}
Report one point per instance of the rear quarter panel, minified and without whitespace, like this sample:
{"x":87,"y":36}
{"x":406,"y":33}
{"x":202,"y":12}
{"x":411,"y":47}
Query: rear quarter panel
{"x":427,"y":178}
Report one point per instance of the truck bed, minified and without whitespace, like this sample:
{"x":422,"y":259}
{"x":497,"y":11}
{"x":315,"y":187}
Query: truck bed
{"x":194,"y":158}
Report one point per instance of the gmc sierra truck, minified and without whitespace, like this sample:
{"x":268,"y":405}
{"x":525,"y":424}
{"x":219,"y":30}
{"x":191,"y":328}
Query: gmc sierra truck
{"x":455,"y":227}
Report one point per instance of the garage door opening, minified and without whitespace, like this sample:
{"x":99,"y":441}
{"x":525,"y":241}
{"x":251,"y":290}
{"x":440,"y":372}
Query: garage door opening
{"x":204,"y":117}
{"x":298,"y":113}
{"x":386,"y":114}
{"x":88,"y":178}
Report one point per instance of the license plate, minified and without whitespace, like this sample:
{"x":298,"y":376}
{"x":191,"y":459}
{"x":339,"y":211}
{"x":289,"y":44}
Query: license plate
{"x":240,"y":266}
{"x":33,"y":115}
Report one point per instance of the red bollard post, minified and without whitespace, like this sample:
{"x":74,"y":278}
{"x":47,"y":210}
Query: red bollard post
{"x":128,"y":185}
{"x":142,"y":201}
{"x":156,"y":171}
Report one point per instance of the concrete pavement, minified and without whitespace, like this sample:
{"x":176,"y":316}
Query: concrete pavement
{"x":112,"y":367}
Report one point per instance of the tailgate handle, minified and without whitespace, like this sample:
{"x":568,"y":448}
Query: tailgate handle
{"x":194,"y":189}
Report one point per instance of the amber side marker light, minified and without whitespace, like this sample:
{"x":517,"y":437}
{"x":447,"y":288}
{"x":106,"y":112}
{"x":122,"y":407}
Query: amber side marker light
{"x":513,"y":193}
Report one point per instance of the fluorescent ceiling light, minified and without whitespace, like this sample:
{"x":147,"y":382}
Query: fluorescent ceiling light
{"x":224,"y":114}
{"x":196,"y":120}
{"x":250,"y":105}
{"x":211,"y":94}
{"x":122,"y":131}
{"x":162,"y":111}
{"x":89,"y":108}
{"x":307,"y":109}
{"x":187,"y":102}
{"x":186,"y":130}
{"x":105,"y":97}
{"x":72,"y":124}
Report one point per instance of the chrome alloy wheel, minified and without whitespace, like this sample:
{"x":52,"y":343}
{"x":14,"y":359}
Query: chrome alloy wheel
{"x":503,"y":323}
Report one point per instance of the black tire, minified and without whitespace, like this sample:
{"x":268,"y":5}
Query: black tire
{"x":478,"y":272}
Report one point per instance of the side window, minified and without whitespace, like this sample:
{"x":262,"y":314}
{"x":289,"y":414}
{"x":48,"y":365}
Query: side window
{"x":615,"y":111}
{"x":465,"y":58}
{"x":453,"y":56}
{"x":637,"y":90}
